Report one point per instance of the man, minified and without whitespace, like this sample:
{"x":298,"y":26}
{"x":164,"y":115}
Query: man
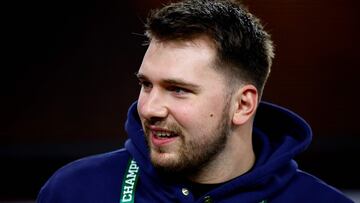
{"x":193,"y":133}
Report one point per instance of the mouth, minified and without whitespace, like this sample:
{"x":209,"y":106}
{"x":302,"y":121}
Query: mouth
{"x":163,"y":134}
{"x":162,"y":137}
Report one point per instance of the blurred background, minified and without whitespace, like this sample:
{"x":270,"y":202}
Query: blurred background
{"x":67,"y":79}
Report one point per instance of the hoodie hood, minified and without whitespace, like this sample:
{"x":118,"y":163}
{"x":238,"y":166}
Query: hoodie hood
{"x":278,"y":136}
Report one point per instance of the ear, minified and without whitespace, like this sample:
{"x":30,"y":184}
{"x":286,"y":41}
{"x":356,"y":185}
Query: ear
{"x":246,"y":102}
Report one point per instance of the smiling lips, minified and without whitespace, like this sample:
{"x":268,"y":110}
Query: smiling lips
{"x":160,"y":137}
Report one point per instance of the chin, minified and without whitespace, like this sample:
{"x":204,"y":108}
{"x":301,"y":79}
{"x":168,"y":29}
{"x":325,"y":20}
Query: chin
{"x":166,"y":162}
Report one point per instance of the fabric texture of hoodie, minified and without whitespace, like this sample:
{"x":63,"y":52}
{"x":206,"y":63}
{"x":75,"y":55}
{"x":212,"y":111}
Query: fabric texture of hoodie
{"x":278,"y":136}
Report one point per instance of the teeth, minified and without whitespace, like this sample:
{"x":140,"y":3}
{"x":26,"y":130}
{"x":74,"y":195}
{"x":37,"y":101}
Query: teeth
{"x":163,"y":134}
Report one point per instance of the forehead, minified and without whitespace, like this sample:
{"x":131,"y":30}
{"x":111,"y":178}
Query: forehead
{"x":190,"y":59}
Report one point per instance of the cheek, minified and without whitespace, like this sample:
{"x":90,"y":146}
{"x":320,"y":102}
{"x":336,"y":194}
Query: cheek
{"x":140,"y":104}
{"x":212,"y":109}
{"x":141,"y":99}
{"x":196,"y":116}
{"x":184,"y":113}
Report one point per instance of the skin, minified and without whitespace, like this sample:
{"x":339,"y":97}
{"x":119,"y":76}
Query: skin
{"x":182,"y":95}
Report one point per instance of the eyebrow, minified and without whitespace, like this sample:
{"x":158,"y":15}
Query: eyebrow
{"x":140,"y":76}
{"x":173,"y":81}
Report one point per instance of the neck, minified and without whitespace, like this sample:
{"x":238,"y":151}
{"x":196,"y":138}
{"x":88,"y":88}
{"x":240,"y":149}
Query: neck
{"x":237,"y":158}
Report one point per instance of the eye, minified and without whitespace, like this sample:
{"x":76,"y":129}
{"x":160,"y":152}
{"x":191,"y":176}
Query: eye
{"x":145,"y":84}
{"x":178,"y":90}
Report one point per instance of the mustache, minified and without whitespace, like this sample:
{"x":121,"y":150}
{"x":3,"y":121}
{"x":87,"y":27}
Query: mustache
{"x":170,"y":127}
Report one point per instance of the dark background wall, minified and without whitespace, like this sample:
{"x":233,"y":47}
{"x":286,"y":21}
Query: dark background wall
{"x":67,"y":79}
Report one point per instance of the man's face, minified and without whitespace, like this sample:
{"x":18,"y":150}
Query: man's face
{"x":183,"y":105}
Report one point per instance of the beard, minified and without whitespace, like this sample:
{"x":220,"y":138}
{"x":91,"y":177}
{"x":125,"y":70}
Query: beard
{"x":193,"y":154}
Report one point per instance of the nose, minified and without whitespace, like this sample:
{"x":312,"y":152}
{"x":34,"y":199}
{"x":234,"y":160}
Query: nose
{"x":152,"y":105}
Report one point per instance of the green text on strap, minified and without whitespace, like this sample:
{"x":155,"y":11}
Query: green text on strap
{"x":129,"y":183}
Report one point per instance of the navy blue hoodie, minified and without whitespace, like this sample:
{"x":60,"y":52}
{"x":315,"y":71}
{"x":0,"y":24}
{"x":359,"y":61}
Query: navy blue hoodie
{"x":278,"y":136}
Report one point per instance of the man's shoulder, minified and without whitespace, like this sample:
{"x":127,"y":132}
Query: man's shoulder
{"x":85,"y":175}
{"x":309,"y":188}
